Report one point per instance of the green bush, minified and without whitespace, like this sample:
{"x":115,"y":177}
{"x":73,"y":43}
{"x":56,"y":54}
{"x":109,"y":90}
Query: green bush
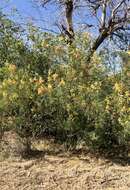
{"x":55,"y":93}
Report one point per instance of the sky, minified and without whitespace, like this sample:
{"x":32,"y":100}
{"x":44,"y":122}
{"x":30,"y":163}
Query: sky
{"x":46,"y":18}
{"x":28,"y":10}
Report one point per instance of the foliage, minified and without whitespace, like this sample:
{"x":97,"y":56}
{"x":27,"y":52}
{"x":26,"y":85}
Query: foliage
{"x":51,"y":91}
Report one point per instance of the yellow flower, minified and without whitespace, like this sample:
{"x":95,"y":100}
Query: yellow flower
{"x":40,"y":81}
{"x":54,"y":76}
{"x":41,"y":90}
{"x":5,"y":94}
{"x":127,"y":122}
{"x":11,"y":81}
{"x":107,"y":107}
{"x":31,"y":80}
{"x":108,"y":104}
{"x":127,"y":93}
{"x":45,"y":43}
{"x":68,"y":106}
{"x":12,"y":68}
{"x":62,"y":82}
{"x":86,"y":35}
{"x":117,"y":87}
{"x":124,"y":109}
{"x":22,"y":81}
{"x":49,"y":87}
{"x":93,"y":87}
{"x":4,"y":83}
{"x":77,"y":54}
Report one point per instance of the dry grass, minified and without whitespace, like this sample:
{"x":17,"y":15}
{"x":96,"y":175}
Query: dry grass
{"x":51,"y":168}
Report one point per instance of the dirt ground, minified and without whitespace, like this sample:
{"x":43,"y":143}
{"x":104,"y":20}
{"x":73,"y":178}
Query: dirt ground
{"x":51,"y":170}
{"x":62,"y":172}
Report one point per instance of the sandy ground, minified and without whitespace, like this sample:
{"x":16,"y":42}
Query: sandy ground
{"x":51,"y":168}
{"x":63,"y":172}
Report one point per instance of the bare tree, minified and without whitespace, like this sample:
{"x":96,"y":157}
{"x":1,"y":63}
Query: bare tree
{"x":68,"y":6}
{"x":112,"y":19}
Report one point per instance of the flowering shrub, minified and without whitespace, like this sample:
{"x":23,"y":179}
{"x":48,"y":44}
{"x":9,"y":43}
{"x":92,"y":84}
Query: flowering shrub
{"x":19,"y":93}
{"x":56,"y":93}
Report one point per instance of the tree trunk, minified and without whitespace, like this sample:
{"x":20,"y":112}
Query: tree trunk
{"x":28,"y":145}
{"x":96,"y":45}
{"x":92,"y":50}
{"x":69,"y":19}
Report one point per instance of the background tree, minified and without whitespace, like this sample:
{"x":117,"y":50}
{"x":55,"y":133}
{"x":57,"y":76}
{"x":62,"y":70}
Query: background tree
{"x":111,"y":18}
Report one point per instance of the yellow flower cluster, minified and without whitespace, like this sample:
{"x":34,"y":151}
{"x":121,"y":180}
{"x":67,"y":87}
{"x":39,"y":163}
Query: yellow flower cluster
{"x":5,"y":94}
{"x":41,"y":90}
{"x":127,"y":94}
{"x":95,"y":86}
{"x":124,"y":109}
{"x":118,"y":87}
{"x":7,"y":82}
{"x":55,"y":76}
{"x":77,"y":54}
{"x":108,"y":104}
{"x":36,"y":81}
{"x":45,"y":43}
{"x":12,"y":68}
{"x":62,"y":82}
{"x":49,"y":87}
